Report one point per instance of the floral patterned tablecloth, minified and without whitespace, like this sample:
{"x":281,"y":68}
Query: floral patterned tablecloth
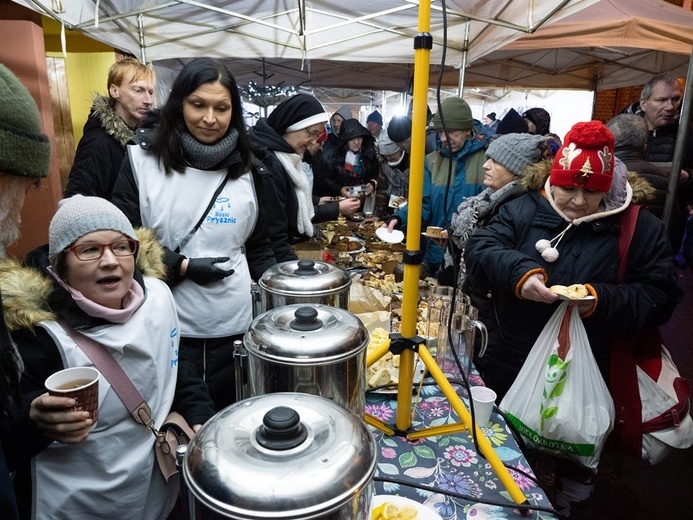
{"x":449,"y":462}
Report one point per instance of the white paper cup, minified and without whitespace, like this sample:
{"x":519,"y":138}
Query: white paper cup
{"x":79,"y":383}
{"x":484,"y":398}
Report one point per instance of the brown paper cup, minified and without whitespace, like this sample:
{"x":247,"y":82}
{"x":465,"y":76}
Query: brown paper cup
{"x":79,"y":383}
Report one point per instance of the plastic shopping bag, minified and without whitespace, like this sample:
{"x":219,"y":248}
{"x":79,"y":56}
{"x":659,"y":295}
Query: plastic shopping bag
{"x":559,"y":402}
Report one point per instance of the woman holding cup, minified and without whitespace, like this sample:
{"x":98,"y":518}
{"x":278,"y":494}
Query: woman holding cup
{"x":102,"y":280}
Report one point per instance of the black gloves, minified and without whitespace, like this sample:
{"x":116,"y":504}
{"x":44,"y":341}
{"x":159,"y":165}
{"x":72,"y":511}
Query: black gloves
{"x":202,"y":270}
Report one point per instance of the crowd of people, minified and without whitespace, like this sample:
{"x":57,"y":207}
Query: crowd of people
{"x":170,"y":213}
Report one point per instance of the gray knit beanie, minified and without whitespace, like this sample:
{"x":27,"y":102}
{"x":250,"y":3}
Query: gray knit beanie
{"x":517,"y":151}
{"x":457,"y":115}
{"x":386,"y":146}
{"x":24,"y":150}
{"x":79,"y":215}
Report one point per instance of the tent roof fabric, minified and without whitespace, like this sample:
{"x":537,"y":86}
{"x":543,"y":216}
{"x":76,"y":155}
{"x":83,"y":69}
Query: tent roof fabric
{"x":300,"y":32}
{"x":613,"y":43}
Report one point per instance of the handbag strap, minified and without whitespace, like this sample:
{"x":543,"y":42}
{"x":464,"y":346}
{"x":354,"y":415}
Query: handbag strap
{"x":628,"y":221}
{"x":216,"y":193}
{"x":115,"y":375}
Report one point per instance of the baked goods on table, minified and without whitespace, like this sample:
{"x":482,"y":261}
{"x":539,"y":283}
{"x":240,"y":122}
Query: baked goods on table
{"x":385,"y":371}
{"x":436,"y":232}
{"x":376,"y":259}
{"x":574,"y":292}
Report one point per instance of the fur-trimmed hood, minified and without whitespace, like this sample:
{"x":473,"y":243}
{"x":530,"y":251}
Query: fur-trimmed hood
{"x":28,"y":292}
{"x":110,"y":120}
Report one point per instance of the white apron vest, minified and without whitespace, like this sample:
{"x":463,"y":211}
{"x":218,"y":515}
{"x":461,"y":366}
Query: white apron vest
{"x":171,"y":205}
{"x":112,"y":473}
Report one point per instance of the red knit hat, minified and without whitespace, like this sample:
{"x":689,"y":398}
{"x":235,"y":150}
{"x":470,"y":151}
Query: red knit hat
{"x":586,"y":158}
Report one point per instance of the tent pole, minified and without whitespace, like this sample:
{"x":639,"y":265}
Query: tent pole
{"x":140,"y":33}
{"x":677,"y":160}
{"x":412,"y":258}
{"x":423,"y":42}
{"x":463,"y":67}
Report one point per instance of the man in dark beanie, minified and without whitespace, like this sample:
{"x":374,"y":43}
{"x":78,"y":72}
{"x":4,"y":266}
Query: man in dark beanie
{"x":512,"y":123}
{"x":491,"y":122}
{"x":538,"y":121}
{"x":24,"y":160}
{"x":461,"y":140}
{"x":399,"y":132}
{"x":374,"y":123}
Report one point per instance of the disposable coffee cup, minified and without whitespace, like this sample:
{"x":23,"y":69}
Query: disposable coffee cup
{"x":79,"y":383}
{"x":484,"y":398}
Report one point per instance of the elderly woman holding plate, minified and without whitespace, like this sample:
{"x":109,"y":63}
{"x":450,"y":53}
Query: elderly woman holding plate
{"x":568,"y":233}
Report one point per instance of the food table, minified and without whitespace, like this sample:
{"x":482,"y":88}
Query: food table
{"x":450,"y":462}
{"x":453,"y":479}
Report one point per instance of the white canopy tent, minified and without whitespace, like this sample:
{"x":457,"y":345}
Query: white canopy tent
{"x":359,"y":44}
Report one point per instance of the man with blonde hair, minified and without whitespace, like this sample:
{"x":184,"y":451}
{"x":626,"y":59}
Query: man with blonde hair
{"x":111,"y":124}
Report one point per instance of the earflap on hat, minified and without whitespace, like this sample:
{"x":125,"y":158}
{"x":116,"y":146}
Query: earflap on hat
{"x":586,"y":158}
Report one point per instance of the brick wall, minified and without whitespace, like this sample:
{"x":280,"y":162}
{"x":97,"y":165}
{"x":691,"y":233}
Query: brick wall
{"x":609,"y":103}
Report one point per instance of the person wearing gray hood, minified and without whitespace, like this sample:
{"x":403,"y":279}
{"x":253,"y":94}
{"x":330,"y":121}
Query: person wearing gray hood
{"x":341,"y":115}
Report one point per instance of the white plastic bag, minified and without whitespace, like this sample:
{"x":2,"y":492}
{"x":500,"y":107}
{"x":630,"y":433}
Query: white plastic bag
{"x":559,"y":402}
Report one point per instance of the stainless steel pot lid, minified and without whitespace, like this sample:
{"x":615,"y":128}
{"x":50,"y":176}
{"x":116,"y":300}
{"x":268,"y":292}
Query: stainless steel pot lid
{"x":304,"y":277}
{"x":282,"y":455}
{"x":306,"y":334}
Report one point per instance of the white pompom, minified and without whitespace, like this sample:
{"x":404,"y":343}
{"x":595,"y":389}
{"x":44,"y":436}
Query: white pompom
{"x":542,"y":245}
{"x":550,"y":254}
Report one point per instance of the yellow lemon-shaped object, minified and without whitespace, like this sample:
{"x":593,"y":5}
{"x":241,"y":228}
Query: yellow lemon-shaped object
{"x":407,"y":513}
{"x":390,"y":511}
{"x":377,"y":513}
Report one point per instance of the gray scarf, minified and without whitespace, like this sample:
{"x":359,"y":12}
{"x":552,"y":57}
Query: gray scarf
{"x":204,"y":156}
{"x":466,"y":220}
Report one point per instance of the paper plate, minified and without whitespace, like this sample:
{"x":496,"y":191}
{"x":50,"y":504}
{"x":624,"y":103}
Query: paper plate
{"x":359,"y":250}
{"x":424,"y":512}
{"x":585,"y":299}
{"x":392,"y":238}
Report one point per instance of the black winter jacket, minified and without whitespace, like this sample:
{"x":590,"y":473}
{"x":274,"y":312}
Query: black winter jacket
{"x":503,"y":252}
{"x":99,"y":153}
{"x":330,"y":173}
{"x":281,"y":204}
{"x":661,"y":144}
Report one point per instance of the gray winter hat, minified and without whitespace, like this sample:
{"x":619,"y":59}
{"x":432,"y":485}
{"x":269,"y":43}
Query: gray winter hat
{"x":517,"y":151}
{"x":386,"y":146}
{"x":79,"y":215}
